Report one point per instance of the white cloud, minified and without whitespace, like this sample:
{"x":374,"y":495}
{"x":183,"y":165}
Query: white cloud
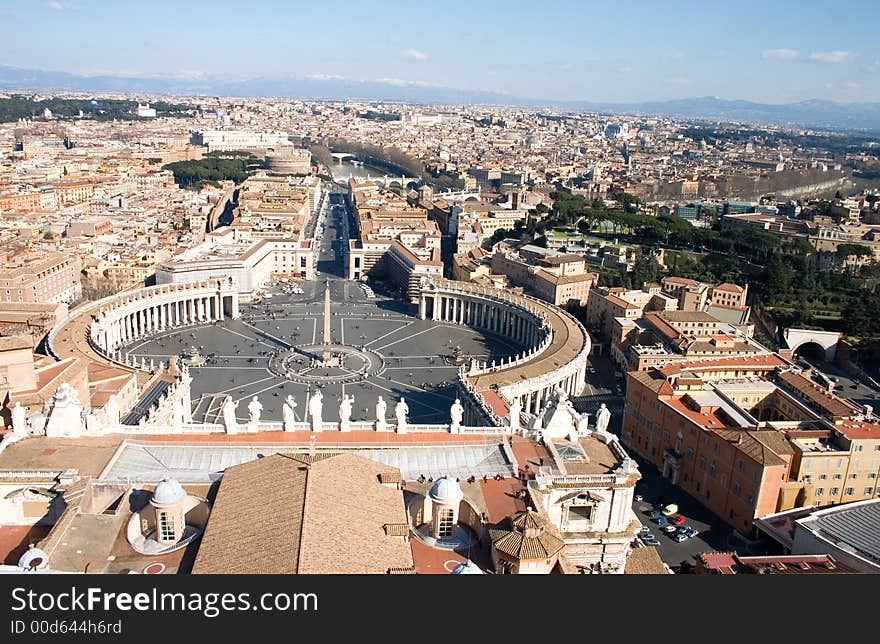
{"x":678,"y":80}
{"x":836,"y":56}
{"x":872,"y":68}
{"x":626,"y":69}
{"x":325,"y":76}
{"x":399,"y":82}
{"x":784,"y":54}
{"x":59,"y":6}
{"x":852,"y":85}
{"x":415,"y":54}
{"x":565,"y":66}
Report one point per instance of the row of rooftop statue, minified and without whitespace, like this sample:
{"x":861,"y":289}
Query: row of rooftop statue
{"x":66,"y":416}
{"x":401,"y":411}
{"x":315,"y":413}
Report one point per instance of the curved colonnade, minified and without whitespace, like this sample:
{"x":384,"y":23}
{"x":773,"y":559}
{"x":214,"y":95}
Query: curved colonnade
{"x":97,"y":331}
{"x":557,"y":345}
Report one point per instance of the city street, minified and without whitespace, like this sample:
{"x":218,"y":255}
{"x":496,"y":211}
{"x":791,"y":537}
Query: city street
{"x":714,"y":534}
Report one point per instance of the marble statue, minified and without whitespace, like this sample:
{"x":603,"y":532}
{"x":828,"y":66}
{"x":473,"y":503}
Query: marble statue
{"x":583,"y":423}
{"x":229,"y":421}
{"x":602,"y":418}
{"x":287,"y":413}
{"x":19,"y":424}
{"x":255,"y":409}
{"x":177,"y":416}
{"x":315,"y":409}
{"x":66,"y":417}
{"x":456,"y":413}
{"x":514,"y":413}
{"x":381,"y":407}
{"x":345,"y":412}
{"x":401,"y":409}
{"x":111,"y":410}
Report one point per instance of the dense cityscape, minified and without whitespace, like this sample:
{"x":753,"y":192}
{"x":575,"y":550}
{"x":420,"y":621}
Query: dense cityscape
{"x":610,"y":343}
{"x":298,"y":298}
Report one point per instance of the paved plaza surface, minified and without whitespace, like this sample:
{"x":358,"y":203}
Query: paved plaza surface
{"x":418,"y":357}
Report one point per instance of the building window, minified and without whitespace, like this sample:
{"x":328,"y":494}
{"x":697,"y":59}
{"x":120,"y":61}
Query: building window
{"x":820,"y":491}
{"x":166,"y":527}
{"x":445,"y":526}
{"x":712,"y":470}
{"x":837,"y":477}
{"x":869,"y":490}
{"x":740,"y":465}
{"x":701,"y":463}
{"x":850,"y":491}
{"x":751,"y":499}
{"x":835,"y":491}
{"x":736,"y":489}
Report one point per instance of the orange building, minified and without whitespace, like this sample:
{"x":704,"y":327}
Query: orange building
{"x":703,"y":441}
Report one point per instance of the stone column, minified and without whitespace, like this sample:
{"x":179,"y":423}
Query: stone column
{"x":422,"y":306}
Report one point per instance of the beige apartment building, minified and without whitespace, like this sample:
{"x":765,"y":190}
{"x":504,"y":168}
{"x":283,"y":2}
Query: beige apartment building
{"x":606,"y":304}
{"x":44,"y":277}
{"x":555,"y":277}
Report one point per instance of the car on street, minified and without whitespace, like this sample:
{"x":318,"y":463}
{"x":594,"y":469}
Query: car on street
{"x":661,"y":521}
{"x":680,"y":536}
{"x":688,"y":530}
{"x":679,"y":520}
{"x":645,"y":530}
{"x":650,"y":540}
{"x":670,"y":510}
{"x":670,"y":529}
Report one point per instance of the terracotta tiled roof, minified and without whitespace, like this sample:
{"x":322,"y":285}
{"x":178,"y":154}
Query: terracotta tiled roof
{"x":527,"y":535}
{"x":645,"y":561}
{"x":287,"y":514}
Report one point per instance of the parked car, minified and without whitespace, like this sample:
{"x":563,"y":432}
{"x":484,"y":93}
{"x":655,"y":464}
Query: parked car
{"x":655,"y":514}
{"x":639,"y":497}
{"x":669,"y":529}
{"x":679,"y":520}
{"x":689,"y":530}
{"x":645,"y":530}
{"x":670,"y":509}
{"x":680,"y":536}
{"x":661,"y":521}
{"x":650,"y":540}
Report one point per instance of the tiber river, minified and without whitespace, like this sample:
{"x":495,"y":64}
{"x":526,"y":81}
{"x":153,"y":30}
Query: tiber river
{"x":342,"y":171}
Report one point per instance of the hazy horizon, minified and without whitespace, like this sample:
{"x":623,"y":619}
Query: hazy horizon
{"x":559,"y":51}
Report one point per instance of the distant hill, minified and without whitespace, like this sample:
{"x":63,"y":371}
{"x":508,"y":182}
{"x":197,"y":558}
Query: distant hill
{"x":812,"y":113}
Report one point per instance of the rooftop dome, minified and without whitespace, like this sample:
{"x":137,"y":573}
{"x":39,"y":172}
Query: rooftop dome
{"x":446,"y":491}
{"x":33,"y":559}
{"x":467,"y":568}
{"x":168,"y":492}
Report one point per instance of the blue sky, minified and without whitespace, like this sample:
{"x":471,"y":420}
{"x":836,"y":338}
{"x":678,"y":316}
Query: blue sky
{"x":772,"y":51}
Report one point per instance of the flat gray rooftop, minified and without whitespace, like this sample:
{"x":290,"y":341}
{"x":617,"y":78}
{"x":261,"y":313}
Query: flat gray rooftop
{"x":853,"y":529}
{"x":137,"y":462}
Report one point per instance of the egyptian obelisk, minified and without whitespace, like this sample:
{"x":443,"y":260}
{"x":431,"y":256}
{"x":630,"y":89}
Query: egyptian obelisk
{"x":327,"y":323}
